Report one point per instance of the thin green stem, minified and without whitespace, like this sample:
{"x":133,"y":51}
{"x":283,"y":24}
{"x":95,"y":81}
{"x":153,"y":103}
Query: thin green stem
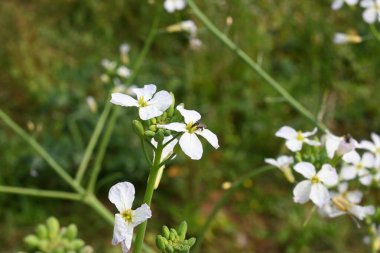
{"x":253,"y":65}
{"x":92,"y":143}
{"x":112,"y":120}
{"x":167,"y":160}
{"x":148,"y":196}
{"x":41,"y":151}
{"x":172,"y":139}
{"x":96,"y":205}
{"x":40,"y":193}
{"x":375,"y":32}
{"x":223,"y":200}
{"x":145,"y":152}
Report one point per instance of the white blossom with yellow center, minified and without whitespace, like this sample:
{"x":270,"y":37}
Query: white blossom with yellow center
{"x":295,"y":139}
{"x":373,"y":147}
{"x":174,"y":5}
{"x":358,"y":167}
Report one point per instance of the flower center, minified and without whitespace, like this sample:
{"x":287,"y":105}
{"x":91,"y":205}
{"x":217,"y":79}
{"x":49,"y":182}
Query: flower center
{"x":341,"y":203}
{"x":191,"y":127}
{"x":315,"y":180}
{"x":127,"y":215}
{"x":141,"y":101}
{"x":359,"y":166}
{"x":300,"y":136}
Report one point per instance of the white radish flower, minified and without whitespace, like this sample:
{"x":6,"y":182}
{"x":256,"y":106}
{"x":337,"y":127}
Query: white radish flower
{"x":339,"y":145}
{"x":337,"y":4}
{"x":358,"y":167}
{"x":344,"y":38}
{"x":150,"y":103}
{"x":295,"y":139}
{"x":373,"y":147}
{"x":173,"y":5}
{"x":372,"y":10}
{"x":314,"y":187}
{"x":189,"y":141}
{"x":123,"y":71}
{"x":185,"y":26}
{"x":283,"y":163}
{"x":122,"y":196}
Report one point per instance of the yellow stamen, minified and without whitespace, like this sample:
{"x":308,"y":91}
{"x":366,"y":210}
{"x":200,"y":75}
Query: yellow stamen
{"x":127,"y":215}
{"x":315,"y":180}
{"x":300,"y":136}
{"x":141,"y":101}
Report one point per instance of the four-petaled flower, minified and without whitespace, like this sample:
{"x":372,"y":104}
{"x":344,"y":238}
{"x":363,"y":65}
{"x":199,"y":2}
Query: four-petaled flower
{"x":283,"y":163}
{"x":189,"y":141}
{"x":295,"y":139}
{"x":122,"y":196}
{"x":150,"y":105}
{"x":373,"y":147}
{"x":314,"y":187}
{"x":372,"y":10}
{"x":358,"y":167}
{"x":339,"y":145}
{"x":173,"y":5}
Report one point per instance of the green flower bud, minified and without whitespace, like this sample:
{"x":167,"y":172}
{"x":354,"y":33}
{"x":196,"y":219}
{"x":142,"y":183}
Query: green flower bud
{"x":169,"y":249}
{"x":43,"y":245}
{"x":138,"y":128}
{"x":71,"y":232}
{"x":166,"y":232}
{"x":32,"y":241}
{"x":41,"y":231}
{"x":161,"y":242}
{"x":164,"y":116}
{"x":153,"y":128}
{"x":87,"y":249}
{"x":173,"y":234}
{"x":78,"y":243}
{"x":150,"y":134}
{"x":159,"y":136}
{"x":154,"y":121}
{"x":191,"y":241}
{"x":53,"y":227}
{"x":170,"y":111}
{"x":167,"y":132}
{"x":182,"y":229}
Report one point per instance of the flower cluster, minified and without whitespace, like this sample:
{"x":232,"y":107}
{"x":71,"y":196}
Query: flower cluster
{"x":335,"y":171}
{"x":371,"y":13}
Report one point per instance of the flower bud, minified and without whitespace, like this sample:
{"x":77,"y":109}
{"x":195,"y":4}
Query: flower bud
{"x":41,"y":231}
{"x":149,"y":134}
{"x":78,"y":243}
{"x":53,"y":227}
{"x":167,"y":132}
{"x":161,"y":242}
{"x":153,"y":128}
{"x":138,"y":128}
{"x":159,"y":136}
{"x":169,"y":248}
{"x":173,"y":234}
{"x":71,"y":232}
{"x":191,"y":241}
{"x":165,"y":232}
{"x":170,"y":111}
{"x":182,"y":229}
{"x":32,"y":241}
{"x":153,"y":121}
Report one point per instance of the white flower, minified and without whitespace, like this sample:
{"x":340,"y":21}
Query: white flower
{"x":166,"y":153}
{"x":124,"y":48}
{"x":337,"y":4}
{"x":358,"y":167}
{"x":372,"y":10}
{"x":294,"y":139}
{"x":189,"y":141}
{"x":186,"y":26}
{"x":344,"y":38}
{"x":150,"y":106}
{"x":339,"y":145}
{"x":109,"y":65}
{"x":314,"y":187}
{"x":283,"y":163}
{"x":373,"y":147}
{"x":123,"y":71}
{"x":346,"y":202}
{"x":173,"y":5}
{"x":122,"y":196}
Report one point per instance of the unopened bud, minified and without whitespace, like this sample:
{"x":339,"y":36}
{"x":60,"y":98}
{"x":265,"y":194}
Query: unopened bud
{"x":71,"y":232}
{"x":159,"y":136}
{"x":41,"y":231}
{"x":138,"y":128}
{"x":31,"y":240}
{"x":161,"y":242}
{"x":53,"y":227}
{"x":166,"y":232}
{"x":182,"y":229}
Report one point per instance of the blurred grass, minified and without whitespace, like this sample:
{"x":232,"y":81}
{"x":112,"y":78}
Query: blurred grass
{"x":50,"y":62}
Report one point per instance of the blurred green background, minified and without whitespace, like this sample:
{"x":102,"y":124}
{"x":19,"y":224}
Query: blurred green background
{"x":50,"y":58}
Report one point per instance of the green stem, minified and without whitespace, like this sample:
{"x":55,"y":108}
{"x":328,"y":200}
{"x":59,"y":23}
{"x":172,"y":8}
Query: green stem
{"x":96,"y":205}
{"x":145,"y":152}
{"x":375,"y":32}
{"x":40,"y":193}
{"x":41,"y":151}
{"x":148,"y":196}
{"x":253,"y":65}
{"x":223,"y":200}
{"x":92,"y":143}
{"x":111,"y":123}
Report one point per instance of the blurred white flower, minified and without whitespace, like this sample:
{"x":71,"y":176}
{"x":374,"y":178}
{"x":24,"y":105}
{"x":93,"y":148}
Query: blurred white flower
{"x":295,"y":139}
{"x":189,"y":141}
{"x":337,"y":4}
{"x":184,"y":26}
{"x":123,"y":71}
{"x":314,"y":187}
{"x":109,"y":65}
{"x":344,"y":38}
{"x":371,"y":13}
{"x":150,"y":103}
{"x":283,"y":163}
{"x":122,"y":196}
{"x":173,"y":5}
{"x":195,"y":43}
{"x":358,"y":167}
{"x":339,"y":145}
{"x":373,"y":147}
{"x":124,"y":48}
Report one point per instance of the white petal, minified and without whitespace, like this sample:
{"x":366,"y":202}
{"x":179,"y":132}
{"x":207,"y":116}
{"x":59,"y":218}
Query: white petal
{"x":162,"y":100}
{"x":286,"y":132}
{"x":175,"y":126}
{"x":209,"y":136}
{"x":357,"y":211}
{"x":169,"y":6}
{"x":126,"y":244}
{"x":189,"y":115}
{"x":312,"y":142}
{"x":369,"y":15}
{"x":328,"y":175}
{"x":367,"y":145}
{"x":354,"y":196}
{"x":368,"y":160}
{"x":301,"y":192}
{"x":376,"y":139}
{"x":180,"y":4}
{"x":123,"y":100}
{"x":147,"y":91}
{"x":285,"y":160}
{"x":168,"y":149}
{"x":191,"y":146}
{"x":307,"y":134}
{"x":141,"y":214}
{"x":122,"y":195}
{"x":332,"y":144}
{"x":306,"y":169}
{"x":294,"y":145}
{"x":343,"y":187}
{"x":366,"y":179}
{"x":337,"y":4}
{"x":120,"y":230}
{"x":319,"y":195}
{"x":272,"y":161}
{"x":352,"y":2}
{"x":149,"y":112}
{"x":348,"y":172}
{"x":351,"y":157}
